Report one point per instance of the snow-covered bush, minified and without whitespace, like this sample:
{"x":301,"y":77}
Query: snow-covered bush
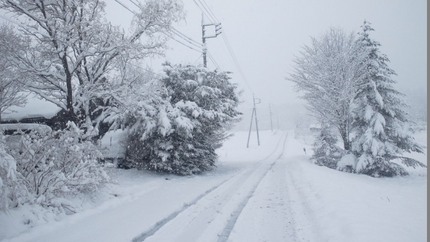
{"x":11,"y":192}
{"x":182,"y":134}
{"x":55,"y":164}
{"x":326,"y":153}
{"x":347,"y":163}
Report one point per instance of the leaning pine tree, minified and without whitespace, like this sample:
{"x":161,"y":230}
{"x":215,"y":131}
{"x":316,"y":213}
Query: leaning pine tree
{"x":382,"y":131}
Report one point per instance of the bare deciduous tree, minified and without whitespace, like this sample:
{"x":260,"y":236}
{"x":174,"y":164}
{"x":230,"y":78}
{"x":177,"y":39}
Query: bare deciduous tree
{"x":328,"y":73}
{"x":74,"y":49}
{"x":11,"y":79}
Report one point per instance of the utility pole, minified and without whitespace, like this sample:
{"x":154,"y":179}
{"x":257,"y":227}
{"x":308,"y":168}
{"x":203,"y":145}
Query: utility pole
{"x":254,"y":116}
{"x":204,"y":37}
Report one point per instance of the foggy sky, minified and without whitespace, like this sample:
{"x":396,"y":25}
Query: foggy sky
{"x":266,"y":35}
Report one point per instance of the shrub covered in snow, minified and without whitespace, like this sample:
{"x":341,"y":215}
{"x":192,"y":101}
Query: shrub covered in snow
{"x":199,"y":107}
{"x":326,"y":153}
{"x":55,"y":164}
{"x":347,"y":163}
{"x":11,"y":191}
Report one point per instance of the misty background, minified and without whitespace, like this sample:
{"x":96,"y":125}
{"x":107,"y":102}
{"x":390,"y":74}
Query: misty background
{"x":265,"y":36}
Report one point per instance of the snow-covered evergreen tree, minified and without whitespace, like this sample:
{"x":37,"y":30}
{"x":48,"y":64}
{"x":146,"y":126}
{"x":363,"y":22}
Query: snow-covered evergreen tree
{"x":381,"y":128}
{"x":187,"y":129}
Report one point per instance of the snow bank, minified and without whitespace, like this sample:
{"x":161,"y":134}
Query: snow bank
{"x":315,"y":203}
{"x":351,"y":207}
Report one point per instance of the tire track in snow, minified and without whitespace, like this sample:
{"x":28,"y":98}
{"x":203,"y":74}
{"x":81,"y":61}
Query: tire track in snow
{"x":245,"y":174}
{"x":307,"y":228}
{"x":173,"y":215}
{"x":225,"y":234}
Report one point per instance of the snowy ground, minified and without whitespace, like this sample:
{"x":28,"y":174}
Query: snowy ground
{"x":267,"y":193}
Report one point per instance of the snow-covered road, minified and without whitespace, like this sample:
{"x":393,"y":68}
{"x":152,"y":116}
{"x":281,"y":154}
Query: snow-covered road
{"x":213,"y":216}
{"x":201,"y":208}
{"x":267,"y":193}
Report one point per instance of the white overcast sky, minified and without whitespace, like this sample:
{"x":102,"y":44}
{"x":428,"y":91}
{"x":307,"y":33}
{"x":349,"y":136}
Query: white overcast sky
{"x":266,"y":35}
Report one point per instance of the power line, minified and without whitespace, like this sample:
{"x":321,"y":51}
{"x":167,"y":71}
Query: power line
{"x":135,"y":4}
{"x":197,"y":59}
{"x":213,"y":61}
{"x":186,"y":38}
{"x":235,"y":61}
{"x":124,"y":6}
{"x":204,"y":11}
{"x":209,"y":10}
{"x":210,"y":14}
{"x":182,"y":43}
{"x":192,"y":44}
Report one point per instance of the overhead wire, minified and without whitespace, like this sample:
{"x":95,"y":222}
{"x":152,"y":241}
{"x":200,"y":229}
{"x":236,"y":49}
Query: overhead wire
{"x":186,"y":38}
{"x":209,"y":11}
{"x":193,"y":45}
{"x":204,"y":11}
{"x":200,"y":56}
{"x":213,"y":60}
{"x":174,"y":34}
{"x":177,"y":32}
{"x":210,"y":14}
{"x":182,"y":43}
{"x":235,"y":61}
{"x":136,"y":4}
{"x":125,"y":6}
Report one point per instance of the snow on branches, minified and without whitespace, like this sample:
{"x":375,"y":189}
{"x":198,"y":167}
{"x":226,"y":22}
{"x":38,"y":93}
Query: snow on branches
{"x":186,"y":126}
{"x":75,"y":50}
{"x":348,"y":85}
{"x":48,"y":166}
{"x":12,"y":79}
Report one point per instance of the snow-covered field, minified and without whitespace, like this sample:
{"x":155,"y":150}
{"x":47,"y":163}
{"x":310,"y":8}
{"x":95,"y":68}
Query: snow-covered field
{"x":268,"y":193}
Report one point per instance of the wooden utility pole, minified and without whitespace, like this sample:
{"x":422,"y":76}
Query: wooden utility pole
{"x":254,"y":116}
{"x":204,"y":37}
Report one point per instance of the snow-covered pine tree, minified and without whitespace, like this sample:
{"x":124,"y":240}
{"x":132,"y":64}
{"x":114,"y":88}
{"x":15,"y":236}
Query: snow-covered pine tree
{"x":201,"y":104}
{"x":381,"y":128}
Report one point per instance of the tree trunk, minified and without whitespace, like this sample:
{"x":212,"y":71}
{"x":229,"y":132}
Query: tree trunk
{"x":70,"y":113}
{"x":345,"y":138}
{"x":346,"y":143}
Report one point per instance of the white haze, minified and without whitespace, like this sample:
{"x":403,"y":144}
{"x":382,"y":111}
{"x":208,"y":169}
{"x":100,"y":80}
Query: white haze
{"x":266,"y":35}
